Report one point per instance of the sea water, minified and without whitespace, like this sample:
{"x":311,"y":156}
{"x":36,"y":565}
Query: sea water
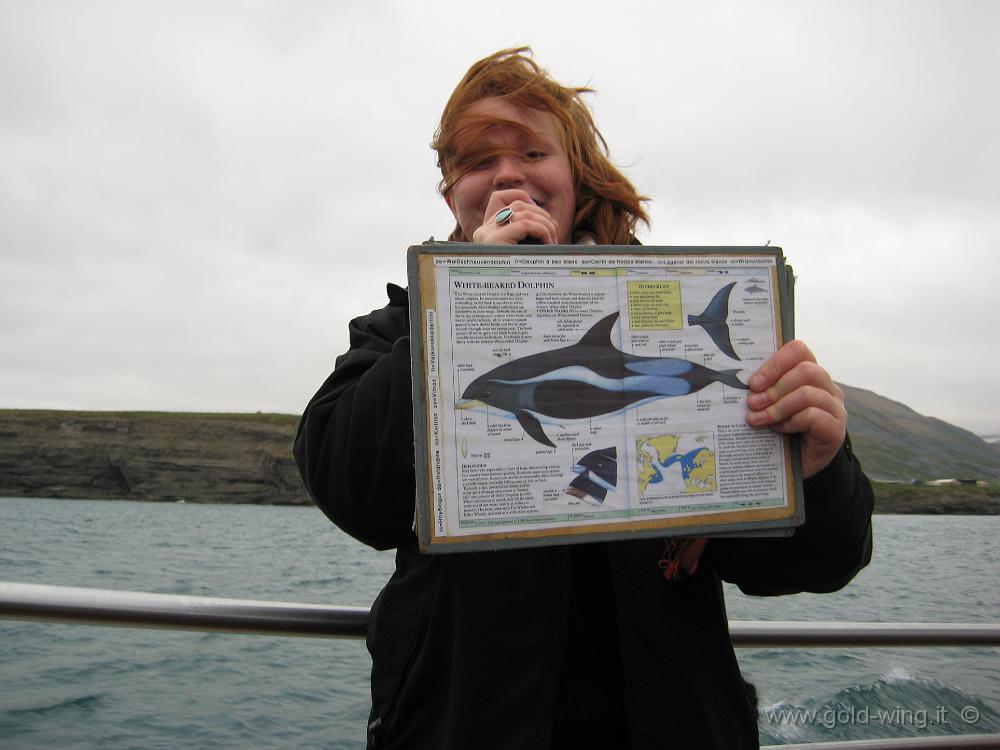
{"x":81,"y":686}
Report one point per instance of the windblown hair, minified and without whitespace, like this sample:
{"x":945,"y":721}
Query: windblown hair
{"x":607,"y":204}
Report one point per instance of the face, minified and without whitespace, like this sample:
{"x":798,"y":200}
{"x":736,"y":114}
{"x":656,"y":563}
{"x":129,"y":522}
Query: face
{"x":537,"y":165}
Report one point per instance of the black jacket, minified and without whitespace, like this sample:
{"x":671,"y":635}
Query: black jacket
{"x":468,"y":648}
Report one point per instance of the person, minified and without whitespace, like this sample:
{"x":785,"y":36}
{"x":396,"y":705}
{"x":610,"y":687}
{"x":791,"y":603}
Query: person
{"x":585,"y":645}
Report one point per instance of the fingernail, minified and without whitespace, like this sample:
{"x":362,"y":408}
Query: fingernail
{"x":756,"y":382}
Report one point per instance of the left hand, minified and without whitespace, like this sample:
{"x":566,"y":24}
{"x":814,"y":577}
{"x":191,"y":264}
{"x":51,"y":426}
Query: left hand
{"x":791,"y":393}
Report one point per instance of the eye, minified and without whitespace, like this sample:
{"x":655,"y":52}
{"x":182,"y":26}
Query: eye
{"x":535,"y":154}
{"x":484,"y":163}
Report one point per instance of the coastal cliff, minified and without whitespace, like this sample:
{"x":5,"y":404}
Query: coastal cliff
{"x":222,"y":458}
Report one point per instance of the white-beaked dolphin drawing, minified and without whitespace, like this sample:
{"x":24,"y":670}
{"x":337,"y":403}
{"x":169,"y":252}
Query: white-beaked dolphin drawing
{"x":590,"y":378}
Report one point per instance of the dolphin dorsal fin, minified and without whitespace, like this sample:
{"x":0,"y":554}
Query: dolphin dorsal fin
{"x":600,"y":333}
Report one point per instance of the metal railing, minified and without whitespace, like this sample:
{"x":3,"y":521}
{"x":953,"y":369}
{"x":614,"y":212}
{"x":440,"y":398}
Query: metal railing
{"x":134,"y":609}
{"x":25,"y":601}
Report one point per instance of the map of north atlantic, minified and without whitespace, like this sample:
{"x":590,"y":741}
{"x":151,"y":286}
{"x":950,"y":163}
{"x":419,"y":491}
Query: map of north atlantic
{"x":676,"y":464}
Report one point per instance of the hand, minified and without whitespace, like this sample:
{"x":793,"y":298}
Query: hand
{"x":528,"y":220}
{"x":790,"y":393}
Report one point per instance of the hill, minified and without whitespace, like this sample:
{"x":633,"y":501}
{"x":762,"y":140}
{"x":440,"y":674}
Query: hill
{"x":895,"y":443}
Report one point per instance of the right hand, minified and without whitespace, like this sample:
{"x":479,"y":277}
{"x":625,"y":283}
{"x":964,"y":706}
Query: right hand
{"x":528,"y":220}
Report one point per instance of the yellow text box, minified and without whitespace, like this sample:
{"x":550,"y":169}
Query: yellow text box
{"x":654,"y":305}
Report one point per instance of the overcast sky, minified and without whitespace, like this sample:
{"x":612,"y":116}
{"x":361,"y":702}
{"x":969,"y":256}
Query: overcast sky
{"x":196,"y":197}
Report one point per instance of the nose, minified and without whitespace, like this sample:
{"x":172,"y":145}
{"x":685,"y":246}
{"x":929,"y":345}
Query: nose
{"x":509,"y":172}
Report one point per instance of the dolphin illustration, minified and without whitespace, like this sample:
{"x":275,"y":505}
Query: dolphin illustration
{"x":598,"y":472}
{"x":713,"y":320}
{"x":754,"y":289}
{"x":591,"y":378}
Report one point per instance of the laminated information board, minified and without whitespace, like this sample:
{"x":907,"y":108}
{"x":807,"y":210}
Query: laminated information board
{"x":576,"y":393}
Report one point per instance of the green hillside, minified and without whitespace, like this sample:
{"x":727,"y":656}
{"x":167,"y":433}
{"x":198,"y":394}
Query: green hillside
{"x":896,"y":443}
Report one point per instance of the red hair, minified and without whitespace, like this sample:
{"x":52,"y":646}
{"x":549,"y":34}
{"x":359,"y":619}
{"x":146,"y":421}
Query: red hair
{"x":607,"y":204}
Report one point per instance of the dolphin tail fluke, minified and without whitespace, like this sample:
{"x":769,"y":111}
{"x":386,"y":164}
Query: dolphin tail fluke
{"x":534,"y":428}
{"x":719,"y":333}
{"x":713,"y":320}
{"x":729,"y":378}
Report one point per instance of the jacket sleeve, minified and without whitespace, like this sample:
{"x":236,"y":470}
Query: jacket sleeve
{"x":354,"y":446}
{"x":823,"y":554}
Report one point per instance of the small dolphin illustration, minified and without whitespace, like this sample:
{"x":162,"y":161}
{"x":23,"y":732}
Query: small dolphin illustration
{"x":598,"y":472}
{"x":754,"y":289}
{"x":713,"y":320}
{"x":590,"y":378}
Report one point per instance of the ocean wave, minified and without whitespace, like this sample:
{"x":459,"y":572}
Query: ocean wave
{"x":83,"y":703}
{"x":896,"y":704}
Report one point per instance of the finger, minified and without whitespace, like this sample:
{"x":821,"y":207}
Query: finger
{"x":779,"y":363}
{"x":546,"y":230}
{"x":806,"y":373}
{"x":520,"y":226}
{"x":815,"y":423}
{"x":805,"y":398}
{"x":822,"y":436}
{"x":501,"y":198}
{"x":528,"y":209}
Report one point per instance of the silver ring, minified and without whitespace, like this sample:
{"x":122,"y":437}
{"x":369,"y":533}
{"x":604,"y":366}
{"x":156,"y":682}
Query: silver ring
{"x":504,"y":215}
